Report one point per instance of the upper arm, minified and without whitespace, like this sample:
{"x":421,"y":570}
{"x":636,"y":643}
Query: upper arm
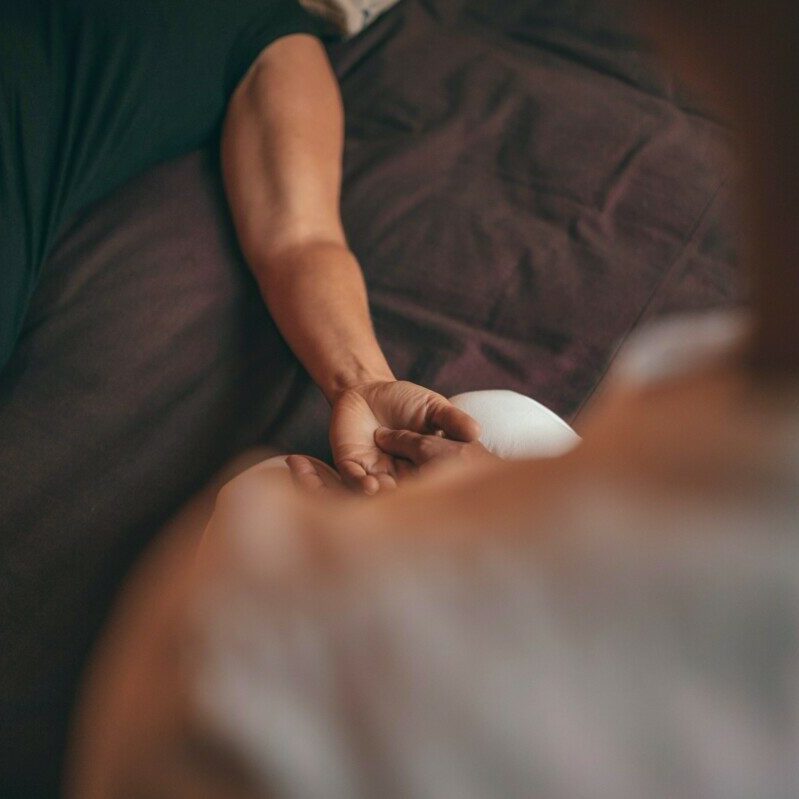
{"x":282,"y":147}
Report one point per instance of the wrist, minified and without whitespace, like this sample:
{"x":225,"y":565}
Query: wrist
{"x":353,"y":376}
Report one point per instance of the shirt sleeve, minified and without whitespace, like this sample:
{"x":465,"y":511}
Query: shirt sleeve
{"x":264,"y":24}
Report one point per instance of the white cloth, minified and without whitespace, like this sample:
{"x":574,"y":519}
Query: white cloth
{"x":650,"y":648}
{"x":514,"y":426}
{"x":349,"y":17}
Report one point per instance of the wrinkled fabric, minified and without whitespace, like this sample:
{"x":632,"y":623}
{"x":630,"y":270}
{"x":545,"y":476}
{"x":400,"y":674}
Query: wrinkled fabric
{"x":523,"y":187}
{"x":94,"y":93}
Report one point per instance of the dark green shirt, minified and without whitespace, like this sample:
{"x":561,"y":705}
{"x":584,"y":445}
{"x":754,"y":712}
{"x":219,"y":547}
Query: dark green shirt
{"x":92,"y":92}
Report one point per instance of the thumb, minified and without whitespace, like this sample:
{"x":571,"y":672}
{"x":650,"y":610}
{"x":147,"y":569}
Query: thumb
{"x":456,"y":424}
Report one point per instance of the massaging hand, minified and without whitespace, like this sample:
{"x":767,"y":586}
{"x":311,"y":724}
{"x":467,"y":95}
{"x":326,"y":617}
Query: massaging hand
{"x":360,"y":411}
{"x":428,"y":450}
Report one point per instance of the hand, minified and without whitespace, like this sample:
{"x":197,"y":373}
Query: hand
{"x":425,"y":450}
{"x":312,"y":475}
{"x":360,"y":411}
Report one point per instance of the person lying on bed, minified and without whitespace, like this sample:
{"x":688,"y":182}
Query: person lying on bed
{"x":93,"y":92}
{"x":618,"y":623}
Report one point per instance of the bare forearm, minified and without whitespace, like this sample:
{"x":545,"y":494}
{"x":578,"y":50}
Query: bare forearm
{"x":316,"y":294}
{"x":282,"y":145}
{"x":281,"y":155}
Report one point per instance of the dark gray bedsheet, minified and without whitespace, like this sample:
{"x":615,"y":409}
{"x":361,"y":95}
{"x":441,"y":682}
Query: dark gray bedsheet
{"x":522,"y":187}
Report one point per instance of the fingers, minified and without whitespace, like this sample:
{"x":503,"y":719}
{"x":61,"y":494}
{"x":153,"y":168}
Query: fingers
{"x":413,"y":447}
{"x":356,"y":477}
{"x":386,"y":481}
{"x":305,"y":473}
{"x":455,"y":423}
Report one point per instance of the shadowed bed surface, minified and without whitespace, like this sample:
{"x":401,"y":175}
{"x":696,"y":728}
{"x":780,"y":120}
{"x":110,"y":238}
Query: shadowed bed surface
{"x":523,"y":188}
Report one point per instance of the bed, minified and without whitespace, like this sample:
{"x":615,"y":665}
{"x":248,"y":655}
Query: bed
{"x":523,"y":186}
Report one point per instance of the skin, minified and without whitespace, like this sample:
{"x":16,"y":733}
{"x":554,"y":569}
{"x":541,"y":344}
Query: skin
{"x":687,"y":433}
{"x":282,"y":147}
